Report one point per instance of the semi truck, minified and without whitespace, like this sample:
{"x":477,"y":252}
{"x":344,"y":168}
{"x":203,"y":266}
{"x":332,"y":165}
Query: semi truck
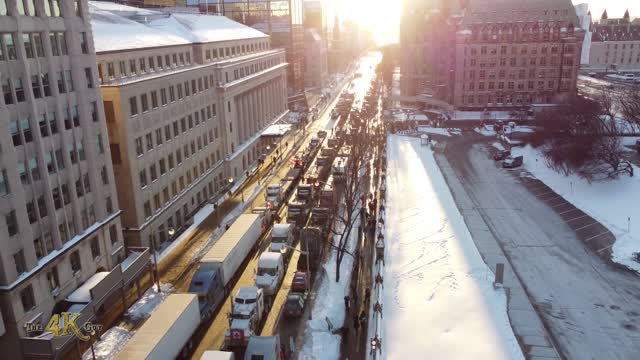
{"x":219,"y":265}
{"x":246,"y":316}
{"x":305,"y":193}
{"x":312,"y":244}
{"x":274,"y":194}
{"x":281,"y":238}
{"x":167,"y":333}
{"x":297,"y":212}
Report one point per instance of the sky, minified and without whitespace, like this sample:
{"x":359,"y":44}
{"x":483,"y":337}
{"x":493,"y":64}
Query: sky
{"x":615,"y":8}
{"x":382,"y":17}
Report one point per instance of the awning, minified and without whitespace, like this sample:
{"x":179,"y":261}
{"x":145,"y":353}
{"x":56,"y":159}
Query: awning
{"x":82,"y":294}
{"x":277,"y":130}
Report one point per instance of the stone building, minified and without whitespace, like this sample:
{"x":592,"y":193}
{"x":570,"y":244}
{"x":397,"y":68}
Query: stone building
{"x":481,"y":54}
{"x":60,"y":219}
{"x":615,"y":44}
{"x":186,"y":100}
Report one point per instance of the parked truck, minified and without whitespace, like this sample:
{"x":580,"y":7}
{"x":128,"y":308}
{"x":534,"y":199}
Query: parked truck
{"x":264,"y":348}
{"x":270,"y":272}
{"x":297,"y":212}
{"x":305,"y":192}
{"x":246,"y":316}
{"x":281,"y":239}
{"x":275,"y":194}
{"x":339,"y":169}
{"x":167,"y":333}
{"x":311,"y":242}
{"x":219,"y":265}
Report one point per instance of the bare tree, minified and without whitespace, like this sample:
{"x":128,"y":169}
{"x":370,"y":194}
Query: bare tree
{"x":630,"y":105}
{"x":583,"y":137}
{"x":352,"y":195}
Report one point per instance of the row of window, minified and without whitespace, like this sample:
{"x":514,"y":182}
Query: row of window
{"x":14,"y":90}
{"x":521,"y":74}
{"x":623,"y":46}
{"x":222,"y":52}
{"x":179,"y":127}
{"x":509,"y":99}
{"x":143,"y":65}
{"x":533,"y":61}
{"x":510,"y":85}
{"x":620,"y":60}
{"x":35,"y":45}
{"x":177,"y":188}
{"x":253,"y":68}
{"x":164,"y":166}
{"x":41,"y":8}
{"x":190,"y":88}
{"x":524,"y":49}
{"x":44,"y":245}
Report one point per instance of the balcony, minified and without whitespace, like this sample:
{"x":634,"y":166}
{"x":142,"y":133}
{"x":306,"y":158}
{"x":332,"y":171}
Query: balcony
{"x":94,"y":302}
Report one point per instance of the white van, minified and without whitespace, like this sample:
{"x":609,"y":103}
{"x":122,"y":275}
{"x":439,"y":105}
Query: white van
{"x":281,"y":237}
{"x":270,"y":272}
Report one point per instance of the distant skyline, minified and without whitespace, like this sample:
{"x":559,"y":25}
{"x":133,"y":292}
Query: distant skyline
{"x":615,"y":8}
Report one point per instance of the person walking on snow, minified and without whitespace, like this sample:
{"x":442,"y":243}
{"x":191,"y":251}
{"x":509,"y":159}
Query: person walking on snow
{"x":346,"y":303}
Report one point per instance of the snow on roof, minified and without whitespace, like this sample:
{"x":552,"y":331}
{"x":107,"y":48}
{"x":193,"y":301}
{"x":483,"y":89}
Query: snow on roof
{"x":129,"y":260}
{"x":113,"y":26}
{"x":82,"y":294}
{"x":277,"y":130}
{"x":269,"y":259}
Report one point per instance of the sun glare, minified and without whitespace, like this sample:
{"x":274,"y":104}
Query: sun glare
{"x":380,"y":17}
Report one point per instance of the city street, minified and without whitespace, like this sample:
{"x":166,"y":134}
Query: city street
{"x":589,"y":307}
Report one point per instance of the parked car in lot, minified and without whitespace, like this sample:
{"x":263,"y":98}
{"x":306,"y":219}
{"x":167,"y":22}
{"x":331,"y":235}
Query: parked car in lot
{"x":512,"y":162}
{"x":501,"y":155}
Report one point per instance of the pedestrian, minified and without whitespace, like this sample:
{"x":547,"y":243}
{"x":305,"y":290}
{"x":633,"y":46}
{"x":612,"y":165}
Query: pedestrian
{"x":367,"y":295}
{"x":363,"y":318}
{"x":226,"y":227}
{"x":346,"y":303}
{"x":356,"y":323}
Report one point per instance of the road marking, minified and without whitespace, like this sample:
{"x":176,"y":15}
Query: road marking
{"x":586,"y":226}
{"x":604,"y":248}
{"x":576,"y":218}
{"x":595,"y":236}
{"x":568,"y":211}
{"x":561,"y":203}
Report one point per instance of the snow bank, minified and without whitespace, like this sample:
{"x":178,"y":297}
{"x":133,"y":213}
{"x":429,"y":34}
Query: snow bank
{"x":114,"y":339}
{"x":613,"y":203}
{"x":438,"y":297}
{"x":486,"y":130}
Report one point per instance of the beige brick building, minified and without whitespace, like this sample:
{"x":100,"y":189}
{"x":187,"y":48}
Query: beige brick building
{"x":615,"y":44}
{"x":59,"y":217}
{"x":185,"y":102}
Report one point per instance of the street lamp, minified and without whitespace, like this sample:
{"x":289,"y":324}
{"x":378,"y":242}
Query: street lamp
{"x":171,"y":232}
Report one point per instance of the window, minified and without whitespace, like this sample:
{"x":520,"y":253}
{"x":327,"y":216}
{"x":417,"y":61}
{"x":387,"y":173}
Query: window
{"x":149,"y":141}
{"x":33,"y":169}
{"x":104,"y":175}
{"x":69,"y":79}
{"x":156,"y":202}
{"x":113,"y":234}
{"x":89,"y":76}
{"x":153,"y":173}
{"x":46,"y":88}
{"x":172,"y":95}
{"x":17,"y":85}
{"x":62,"y":40}
{"x":167,"y":132}
{"x":159,"y":61}
{"x":143,"y":68}
{"x":28,"y":48}
{"x":18,"y":258}
{"x":59,"y":159}
{"x":151,"y":65}
{"x":147,"y":210}
{"x":12,"y":223}
{"x":95,"y":247}
{"x":180,"y":91}
{"x":163,"y":96}
{"x":27,"y":298}
{"x":35,"y":86}
{"x":154,"y":99}
{"x":6,"y":90}
{"x":39,"y":248}
{"x":31,"y":212}
{"x":111,"y":71}
{"x":109,"y":205}
{"x":37,"y":41}
{"x":163,"y":168}
{"x":133,"y":105}
{"x":65,"y":194}
{"x":4,"y":185}
{"x":76,"y":265}
{"x":132,"y":67}
{"x":139,"y":148}
{"x":159,"y":136}
{"x":84,"y":44}
{"x":123,"y":69}
{"x":94,"y":111}
{"x":145,"y":102}
{"x":170,"y":159}
{"x":100,"y":144}
{"x":52,"y":278}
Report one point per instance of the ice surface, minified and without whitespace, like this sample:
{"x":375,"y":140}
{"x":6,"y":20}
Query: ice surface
{"x":438,"y":297}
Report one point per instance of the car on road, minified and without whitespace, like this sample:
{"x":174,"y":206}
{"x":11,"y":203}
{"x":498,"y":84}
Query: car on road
{"x":501,"y":155}
{"x":512,"y":162}
{"x":294,"y":306}
{"x":300,"y":282}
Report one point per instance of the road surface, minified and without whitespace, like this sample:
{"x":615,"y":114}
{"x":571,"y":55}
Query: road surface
{"x":591,"y":308}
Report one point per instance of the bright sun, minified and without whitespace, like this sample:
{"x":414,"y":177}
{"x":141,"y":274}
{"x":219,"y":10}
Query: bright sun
{"x":381,"y":17}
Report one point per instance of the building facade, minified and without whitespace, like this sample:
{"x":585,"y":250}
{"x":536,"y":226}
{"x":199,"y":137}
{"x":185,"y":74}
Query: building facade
{"x":315,"y":60}
{"x":184,"y":110}
{"x":615,"y":44}
{"x":60,"y":215}
{"x":505,"y":53}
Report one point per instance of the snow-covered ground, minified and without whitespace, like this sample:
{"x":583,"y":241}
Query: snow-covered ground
{"x":431,"y":130}
{"x":613,"y":203}
{"x":438,"y":297}
{"x":319,"y":341}
{"x":114,"y":339}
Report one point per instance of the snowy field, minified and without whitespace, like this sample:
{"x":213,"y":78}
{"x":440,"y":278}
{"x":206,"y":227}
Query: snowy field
{"x":613,"y":203}
{"x":438,"y":297}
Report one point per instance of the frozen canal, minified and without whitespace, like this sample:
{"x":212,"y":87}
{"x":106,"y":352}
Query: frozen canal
{"x":438,"y":297}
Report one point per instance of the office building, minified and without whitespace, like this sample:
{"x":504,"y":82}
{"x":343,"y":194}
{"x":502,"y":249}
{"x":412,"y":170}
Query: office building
{"x":315,"y":60}
{"x":186,"y":100}
{"x":59,"y":210}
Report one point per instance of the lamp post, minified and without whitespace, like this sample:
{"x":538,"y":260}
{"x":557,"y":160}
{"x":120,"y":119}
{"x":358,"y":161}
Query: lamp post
{"x":171,"y":232}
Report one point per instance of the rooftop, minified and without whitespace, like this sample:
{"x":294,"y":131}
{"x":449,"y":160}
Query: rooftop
{"x":113,"y":25}
{"x":503,"y":11}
